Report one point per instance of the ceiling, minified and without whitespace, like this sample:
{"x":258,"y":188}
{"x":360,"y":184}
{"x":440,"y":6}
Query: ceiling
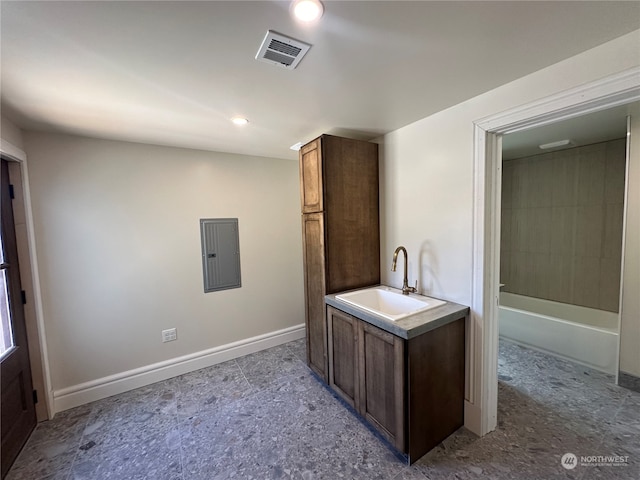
{"x":601,"y":126}
{"x":174,"y":73}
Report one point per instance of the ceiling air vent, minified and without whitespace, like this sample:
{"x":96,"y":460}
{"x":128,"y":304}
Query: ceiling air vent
{"x":281,"y":50}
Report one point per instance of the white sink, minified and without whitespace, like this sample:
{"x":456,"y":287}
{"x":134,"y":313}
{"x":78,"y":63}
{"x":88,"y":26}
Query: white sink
{"x":389,"y":302}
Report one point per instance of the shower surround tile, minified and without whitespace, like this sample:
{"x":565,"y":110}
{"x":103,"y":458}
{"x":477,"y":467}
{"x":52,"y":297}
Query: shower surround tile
{"x":272,"y":419}
{"x":563,"y":234}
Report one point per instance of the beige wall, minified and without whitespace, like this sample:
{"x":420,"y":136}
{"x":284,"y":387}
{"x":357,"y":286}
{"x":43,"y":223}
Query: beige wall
{"x":562,"y":225}
{"x":118,"y":241}
{"x":630,"y":315}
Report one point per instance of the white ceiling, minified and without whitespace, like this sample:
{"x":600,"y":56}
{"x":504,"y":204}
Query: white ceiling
{"x":596,"y":127}
{"x":174,"y":73}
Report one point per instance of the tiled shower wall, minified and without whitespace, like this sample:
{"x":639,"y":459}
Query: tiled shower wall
{"x":562,"y":225}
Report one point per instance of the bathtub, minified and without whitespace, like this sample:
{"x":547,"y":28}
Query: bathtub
{"x":584,"y":335}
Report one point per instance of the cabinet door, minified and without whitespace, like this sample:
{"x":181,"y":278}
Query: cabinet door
{"x":382,"y":382}
{"x":351,"y":206}
{"x":311,"y":177}
{"x":343,"y":355}
{"x":314,"y":289}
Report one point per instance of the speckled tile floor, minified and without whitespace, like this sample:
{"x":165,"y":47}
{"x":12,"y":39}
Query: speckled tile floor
{"x":264,"y":416}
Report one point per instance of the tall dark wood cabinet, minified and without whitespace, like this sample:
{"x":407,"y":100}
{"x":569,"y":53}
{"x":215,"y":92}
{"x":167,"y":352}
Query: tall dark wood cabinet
{"x":341,"y":230}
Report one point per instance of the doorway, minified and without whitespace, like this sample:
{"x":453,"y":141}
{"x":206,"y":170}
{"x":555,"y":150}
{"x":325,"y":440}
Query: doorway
{"x":562,"y":211}
{"x":17,"y":402}
{"x":615,"y":90}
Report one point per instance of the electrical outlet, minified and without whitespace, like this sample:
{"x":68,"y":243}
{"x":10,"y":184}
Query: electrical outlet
{"x":169,"y":335}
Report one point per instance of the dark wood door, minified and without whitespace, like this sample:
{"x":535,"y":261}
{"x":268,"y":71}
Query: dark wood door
{"x":343,"y":355}
{"x":314,"y":290}
{"x":351,"y":206}
{"x":18,"y":410}
{"x":382,"y":383}
{"x":311,"y":182}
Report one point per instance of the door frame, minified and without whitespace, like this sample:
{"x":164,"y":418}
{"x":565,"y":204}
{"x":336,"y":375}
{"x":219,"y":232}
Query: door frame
{"x":44,"y":407}
{"x":612,"y":91}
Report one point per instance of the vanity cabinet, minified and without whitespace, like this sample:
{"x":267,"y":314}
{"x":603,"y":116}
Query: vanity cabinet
{"x":410,"y":390}
{"x":366,"y":371}
{"x":341,"y":231}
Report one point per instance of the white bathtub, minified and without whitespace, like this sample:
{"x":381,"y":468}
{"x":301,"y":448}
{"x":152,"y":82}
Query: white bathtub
{"x":580,"y":334}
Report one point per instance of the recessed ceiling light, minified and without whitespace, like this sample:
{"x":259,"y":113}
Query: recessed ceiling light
{"x":239,"y":120}
{"x":559,"y":143}
{"x":307,"y":10}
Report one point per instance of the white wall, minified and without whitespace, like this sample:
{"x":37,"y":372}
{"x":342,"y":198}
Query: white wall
{"x":118,"y":241}
{"x":427,"y":172}
{"x":630,"y":312}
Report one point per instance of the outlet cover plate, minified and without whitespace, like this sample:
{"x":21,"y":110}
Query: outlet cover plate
{"x":169,"y":335}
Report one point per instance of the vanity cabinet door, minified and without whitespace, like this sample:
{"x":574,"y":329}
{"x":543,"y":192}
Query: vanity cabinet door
{"x":343,"y":355}
{"x":382,"y":382}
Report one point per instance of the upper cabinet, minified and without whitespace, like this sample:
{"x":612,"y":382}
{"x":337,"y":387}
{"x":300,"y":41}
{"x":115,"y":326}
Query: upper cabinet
{"x":339,"y":178}
{"x":311,"y":177}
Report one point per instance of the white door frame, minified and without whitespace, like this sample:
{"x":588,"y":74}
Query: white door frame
{"x":18,"y":155}
{"x":482,"y":405}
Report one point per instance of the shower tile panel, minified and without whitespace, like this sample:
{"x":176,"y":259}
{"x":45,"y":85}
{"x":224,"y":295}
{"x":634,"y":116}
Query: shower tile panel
{"x":614,"y":176}
{"x":540,"y":233}
{"x":507,"y":185}
{"x":505,"y":229}
{"x":590,"y":187}
{"x":561,"y":269}
{"x":610,"y":284}
{"x":562,"y":231}
{"x":563,"y":191}
{"x":586,"y":287}
{"x":612,"y":244}
{"x":561,"y":219}
{"x":541,"y":272}
{"x":589,"y":230}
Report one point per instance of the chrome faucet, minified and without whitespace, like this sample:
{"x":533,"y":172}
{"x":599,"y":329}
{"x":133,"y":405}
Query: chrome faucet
{"x":406,"y":289}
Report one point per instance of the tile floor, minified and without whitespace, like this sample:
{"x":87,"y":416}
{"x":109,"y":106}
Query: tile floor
{"x":264,"y":416}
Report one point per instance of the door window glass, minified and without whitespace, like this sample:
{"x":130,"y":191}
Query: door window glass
{"x":6,"y":338}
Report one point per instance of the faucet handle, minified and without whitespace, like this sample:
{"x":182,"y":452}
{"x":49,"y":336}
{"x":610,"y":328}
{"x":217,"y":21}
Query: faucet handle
{"x":407,"y":289}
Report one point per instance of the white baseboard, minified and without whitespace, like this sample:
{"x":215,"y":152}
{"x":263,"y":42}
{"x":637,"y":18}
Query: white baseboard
{"x":473,"y":418}
{"x":100,"y":388}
